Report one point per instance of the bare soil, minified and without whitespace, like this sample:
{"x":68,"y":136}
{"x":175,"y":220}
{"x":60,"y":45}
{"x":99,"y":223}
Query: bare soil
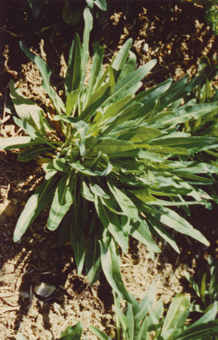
{"x":177,"y":36}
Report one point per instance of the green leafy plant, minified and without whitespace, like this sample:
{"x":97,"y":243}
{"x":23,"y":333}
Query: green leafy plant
{"x":112,"y":159}
{"x":139,"y":321}
{"x":207,"y":125}
{"x":205,"y":285}
{"x":142,"y":322}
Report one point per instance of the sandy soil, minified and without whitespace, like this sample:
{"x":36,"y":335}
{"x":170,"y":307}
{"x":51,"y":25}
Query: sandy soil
{"x":177,"y":37}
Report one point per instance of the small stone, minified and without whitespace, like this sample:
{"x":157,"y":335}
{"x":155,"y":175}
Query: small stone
{"x":44,"y":290}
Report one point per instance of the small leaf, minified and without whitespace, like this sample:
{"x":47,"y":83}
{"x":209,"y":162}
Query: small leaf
{"x":102,"y":4}
{"x":101,"y":335}
{"x":72,"y":332}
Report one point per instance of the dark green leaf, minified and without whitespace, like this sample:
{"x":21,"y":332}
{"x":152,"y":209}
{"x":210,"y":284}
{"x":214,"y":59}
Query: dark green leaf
{"x":72,"y":332}
{"x":62,"y":201}
{"x":41,"y":197}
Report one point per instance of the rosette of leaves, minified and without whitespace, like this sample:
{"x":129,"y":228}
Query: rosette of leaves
{"x":112,"y":159}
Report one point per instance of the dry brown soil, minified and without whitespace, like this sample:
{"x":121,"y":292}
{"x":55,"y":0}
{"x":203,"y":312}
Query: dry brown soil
{"x":177,"y":36}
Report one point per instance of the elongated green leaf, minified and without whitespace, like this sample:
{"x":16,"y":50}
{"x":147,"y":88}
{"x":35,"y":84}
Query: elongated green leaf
{"x":192,"y":144}
{"x":16,"y":142}
{"x":93,"y":260}
{"x":114,"y":108}
{"x":98,"y":191}
{"x":96,"y":100}
{"x":146,"y":303}
{"x":72,"y":332}
{"x":102,"y":4}
{"x":173,"y":220}
{"x":114,"y":148}
{"x":122,"y":318}
{"x":142,"y":335}
{"x":111,"y":222}
{"x":182,"y":115}
{"x":87,"y":29}
{"x":46,"y":74}
{"x":35,"y":135}
{"x":140,"y":231}
{"x":60,"y":165}
{"x":178,"y":90}
{"x":101,"y":335}
{"x":26,"y":109}
{"x":155,"y":313}
{"x":77,"y":237}
{"x":41,"y":197}
{"x":125,"y":203}
{"x":131,"y":322}
{"x":32,"y":153}
{"x":80,"y":168}
{"x":160,"y":230}
{"x":110,"y":262}
{"x":129,"y":84}
{"x":177,"y":309}
{"x":200,"y":331}
{"x":129,"y":66}
{"x":95,"y":71}
{"x":79,"y":125}
{"x":120,"y":59}
{"x":71,"y":101}
{"x":62,"y":201}
{"x":86,"y":192}
{"x":74,"y":71}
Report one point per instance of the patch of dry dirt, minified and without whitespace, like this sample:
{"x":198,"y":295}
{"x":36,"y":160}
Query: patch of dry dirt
{"x":177,"y":37}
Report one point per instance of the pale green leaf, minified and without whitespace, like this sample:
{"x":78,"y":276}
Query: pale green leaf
{"x":73,"y":75}
{"x":200,"y":331}
{"x":120,"y":59}
{"x":101,"y":335}
{"x":88,"y":18}
{"x":46,"y":74}
{"x":177,"y":309}
{"x":173,"y":220}
{"x":110,"y":262}
{"x":26,"y":109}
{"x":16,"y":142}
